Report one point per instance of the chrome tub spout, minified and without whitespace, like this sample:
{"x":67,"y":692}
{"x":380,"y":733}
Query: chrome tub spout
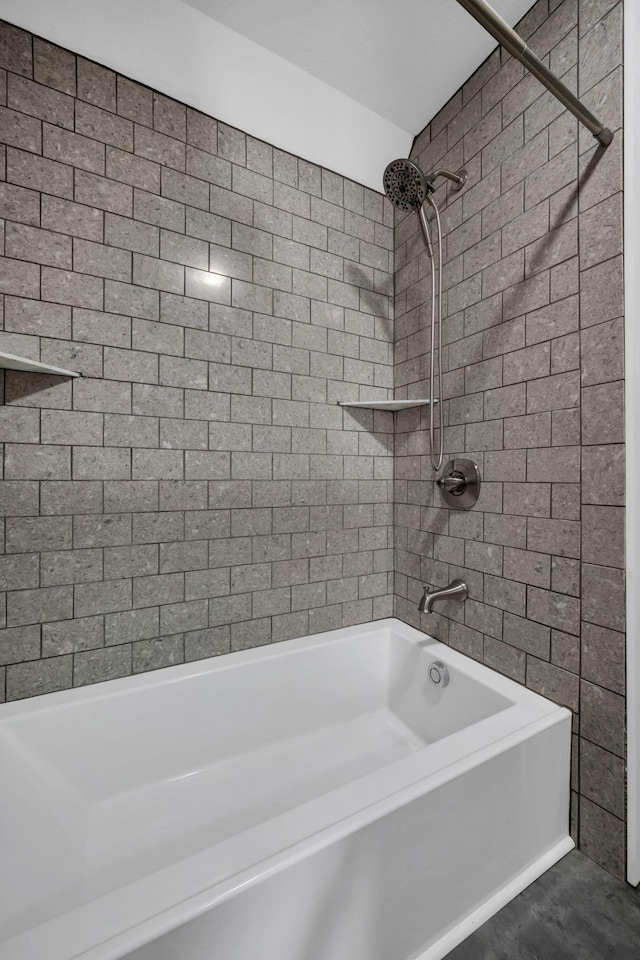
{"x":457,"y":590}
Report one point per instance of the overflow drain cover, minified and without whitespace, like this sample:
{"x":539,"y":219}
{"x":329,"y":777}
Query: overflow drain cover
{"x":439,"y":674}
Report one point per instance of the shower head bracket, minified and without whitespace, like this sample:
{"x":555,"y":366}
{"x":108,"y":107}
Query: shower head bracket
{"x":464,"y":176}
{"x":458,"y":179}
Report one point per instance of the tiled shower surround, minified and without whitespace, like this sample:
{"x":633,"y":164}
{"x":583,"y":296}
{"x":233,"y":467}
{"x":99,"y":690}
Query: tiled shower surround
{"x":198,"y":490}
{"x":533,"y":362}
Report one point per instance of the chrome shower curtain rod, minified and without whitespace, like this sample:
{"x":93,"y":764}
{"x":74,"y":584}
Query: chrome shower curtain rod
{"x":509,"y":39}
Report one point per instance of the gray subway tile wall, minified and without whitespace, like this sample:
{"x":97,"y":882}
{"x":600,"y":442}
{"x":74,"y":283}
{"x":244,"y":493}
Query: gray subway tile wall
{"x":533,"y":385}
{"x":198,"y":490}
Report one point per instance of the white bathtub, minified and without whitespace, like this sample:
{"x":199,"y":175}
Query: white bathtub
{"x":319,"y":799}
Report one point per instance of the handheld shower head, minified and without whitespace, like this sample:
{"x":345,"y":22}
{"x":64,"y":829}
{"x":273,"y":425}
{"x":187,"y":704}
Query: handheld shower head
{"x":407,"y":187}
{"x":405,"y":184}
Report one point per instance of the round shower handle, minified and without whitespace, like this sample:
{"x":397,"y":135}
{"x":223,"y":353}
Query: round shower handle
{"x":454,"y":483}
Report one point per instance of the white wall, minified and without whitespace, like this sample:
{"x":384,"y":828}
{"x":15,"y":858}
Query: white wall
{"x":174,"y":48}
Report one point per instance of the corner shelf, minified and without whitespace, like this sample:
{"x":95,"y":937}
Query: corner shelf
{"x":385,"y":404}
{"x":8,"y":361}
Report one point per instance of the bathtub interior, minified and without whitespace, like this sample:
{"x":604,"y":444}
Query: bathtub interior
{"x":127,"y":778}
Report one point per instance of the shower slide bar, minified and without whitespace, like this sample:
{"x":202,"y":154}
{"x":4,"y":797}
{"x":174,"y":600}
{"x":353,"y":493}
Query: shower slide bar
{"x":509,"y":39}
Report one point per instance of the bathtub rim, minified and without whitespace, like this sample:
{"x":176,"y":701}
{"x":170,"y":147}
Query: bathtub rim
{"x":528,"y":714}
{"x":170,"y":675}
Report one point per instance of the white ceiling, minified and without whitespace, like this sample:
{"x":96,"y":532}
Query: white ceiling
{"x":345,"y":84}
{"x":403,"y":59}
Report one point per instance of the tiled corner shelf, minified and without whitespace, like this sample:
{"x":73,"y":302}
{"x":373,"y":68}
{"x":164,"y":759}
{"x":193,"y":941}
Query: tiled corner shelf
{"x":8,"y":361}
{"x":384,"y":404}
